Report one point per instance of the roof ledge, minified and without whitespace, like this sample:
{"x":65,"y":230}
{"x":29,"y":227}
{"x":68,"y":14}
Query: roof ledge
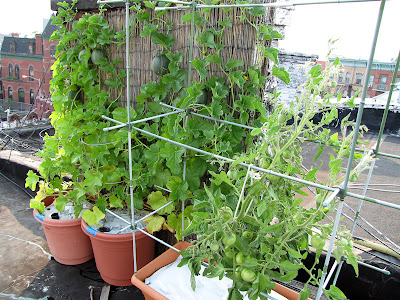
{"x":84,"y":5}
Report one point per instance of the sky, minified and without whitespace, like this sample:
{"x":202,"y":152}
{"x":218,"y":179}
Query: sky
{"x":353,"y":24}
{"x":310,"y":29}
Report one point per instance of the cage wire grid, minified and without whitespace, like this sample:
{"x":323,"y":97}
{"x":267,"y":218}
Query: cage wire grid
{"x":340,"y":192}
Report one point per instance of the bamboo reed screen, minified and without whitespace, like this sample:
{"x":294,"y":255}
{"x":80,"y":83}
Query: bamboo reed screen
{"x":240,"y":42}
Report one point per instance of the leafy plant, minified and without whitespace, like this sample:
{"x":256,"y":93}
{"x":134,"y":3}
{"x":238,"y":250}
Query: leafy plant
{"x":251,"y":225}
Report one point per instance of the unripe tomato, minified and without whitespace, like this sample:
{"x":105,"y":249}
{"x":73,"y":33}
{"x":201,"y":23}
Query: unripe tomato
{"x":317,"y":241}
{"x":231,"y":174}
{"x":265,"y":163}
{"x":273,"y":178}
{"x":239,"y":258}
{"x":287,"y":154}
{"x":248,"y":235}
{"x":351,"y":244}
{"x":229,"y":239}
{"x":229,"y":252}
{"x":248,"y":275}
{"x":226,"y":213}
{"x":238,"y":270}
{"x":214,"y":246}
{"x":344,"y":242}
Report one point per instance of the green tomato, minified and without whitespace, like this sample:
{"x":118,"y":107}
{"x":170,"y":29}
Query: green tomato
{"x":229,"y":239}
{"x":239,"y":258}
{"x":317,"y":241}
{"x":231,"y":174}
{"x":334,"y":83}
{"x":351,"y":244}
{"x":344,"y":242}
{"x":226,"y":213}
{"x":229,"y":252}
{"x":238,"y":270}
{"x":287,"y":154}
{"x":265,"y":164}
{"x":248,"y":275}
{"x":214,"y":246}
{"x":248,"y":235}
{"x":273,"y":178}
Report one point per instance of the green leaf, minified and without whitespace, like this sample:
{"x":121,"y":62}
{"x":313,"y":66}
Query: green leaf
{"x":281,"y":73}
{"x":320,"y":150}
{"x":154,"y":223}
{"x":166,"y":40}
{"x":179,"y":189}
{"x":200,"y":65}
{"x":335,"y":164}
{"x":231,"y":64}
{"x":214,"y":59}
{"x":334,"y":293}
{"x":305,"y":293}
{"x":38,"y":205}
{"x":115,"y":201}
{"x":225,"y":23}
{"x":31,"y":180}
{"x":173,"y":155}
{"x":271,"y":53}
{"x":315,"y":71}
{"x":288,"y":266}
{"x":234,"y":294}
{"x":148,"y":30}
{"x":157,"y":200}
{"x":92,"y":217}
{"x":207,"y":39}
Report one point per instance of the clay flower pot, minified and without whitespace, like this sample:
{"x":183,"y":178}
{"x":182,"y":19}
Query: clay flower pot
{"x":170,"y":256}
{"x":67,"y":243}
{"x":114,"y":254}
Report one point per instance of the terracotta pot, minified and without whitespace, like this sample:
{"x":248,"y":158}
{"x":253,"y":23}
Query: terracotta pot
{"x":170,"y":256}
{"x":67,"y":243}
{"x":114,"y":254}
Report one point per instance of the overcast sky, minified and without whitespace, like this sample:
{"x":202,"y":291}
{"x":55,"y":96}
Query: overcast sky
{"x":311,"y":26}
{"x":352,"y":23}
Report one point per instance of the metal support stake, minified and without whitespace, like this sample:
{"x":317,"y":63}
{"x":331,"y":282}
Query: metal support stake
{"x":359,"y":116}
{"x":128,"y":105}
{"x":328,"y":255}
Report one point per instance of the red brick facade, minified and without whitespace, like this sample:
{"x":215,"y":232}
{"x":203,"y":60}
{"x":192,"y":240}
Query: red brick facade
{"x":26,"y":62}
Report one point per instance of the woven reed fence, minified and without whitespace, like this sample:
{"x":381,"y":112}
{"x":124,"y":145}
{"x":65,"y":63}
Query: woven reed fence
{"x":239,"y":41}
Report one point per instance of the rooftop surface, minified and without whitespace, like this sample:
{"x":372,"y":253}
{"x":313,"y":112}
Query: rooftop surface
{"x":27,"y":270}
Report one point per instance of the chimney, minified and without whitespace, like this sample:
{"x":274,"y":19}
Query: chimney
{"x":15,"y":34}
{"x":39,"y":44}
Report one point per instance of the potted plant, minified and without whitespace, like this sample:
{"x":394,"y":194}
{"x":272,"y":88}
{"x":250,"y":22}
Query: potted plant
{"x":67,"y":243}
{"x":250,"y":226}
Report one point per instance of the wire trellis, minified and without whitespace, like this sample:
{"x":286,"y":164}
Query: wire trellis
{"x":341,"y":191}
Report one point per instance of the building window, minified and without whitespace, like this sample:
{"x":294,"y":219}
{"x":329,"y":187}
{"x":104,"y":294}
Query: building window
{"x":10,"y":70}
{"x":52,"y":51}
{"x":347,"y":78}
{"x":371,"y":80}
{"x":17,"y":71}
{"x":51,"y":74}
{"x":44,"y":76}
{"x":9,"y":93}
{"x":30,"y":73}
{"x":21,"y":95}
{"x":382,"y":84}
{"x":359,"y":78}
{"x":12,"y":47}
{"x":30,"y":49}
{"x":340,"y":79}
{"x":32,"y":96}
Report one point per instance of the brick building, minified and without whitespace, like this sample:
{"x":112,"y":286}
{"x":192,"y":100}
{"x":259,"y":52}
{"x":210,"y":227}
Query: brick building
{"x":352,"y":77}
{"x":25,"y":66}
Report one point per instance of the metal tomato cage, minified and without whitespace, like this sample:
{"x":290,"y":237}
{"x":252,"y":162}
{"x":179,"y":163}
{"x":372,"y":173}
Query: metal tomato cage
{"x":340,"y":192}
